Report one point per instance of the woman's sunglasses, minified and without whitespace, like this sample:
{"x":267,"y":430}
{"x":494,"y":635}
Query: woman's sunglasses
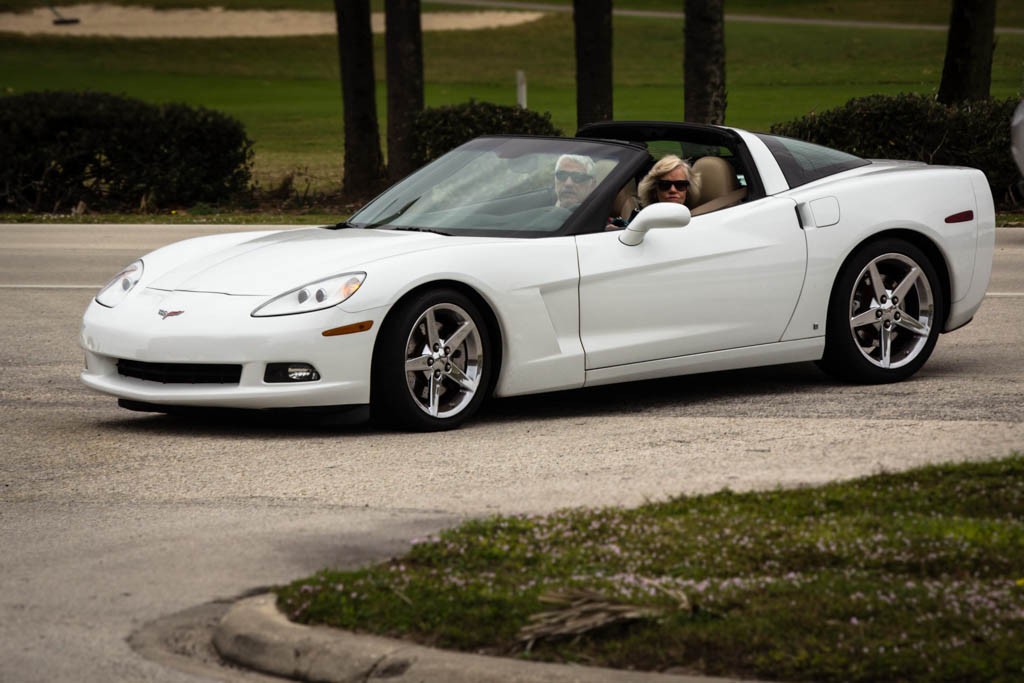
{"x":681,"y":185}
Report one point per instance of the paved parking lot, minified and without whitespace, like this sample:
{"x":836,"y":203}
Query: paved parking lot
{"x":111,"y":519}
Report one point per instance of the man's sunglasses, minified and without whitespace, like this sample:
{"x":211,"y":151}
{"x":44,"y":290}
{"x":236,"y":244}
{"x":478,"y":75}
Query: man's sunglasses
{"x":576,"y":176}
{"x":681,"y":185}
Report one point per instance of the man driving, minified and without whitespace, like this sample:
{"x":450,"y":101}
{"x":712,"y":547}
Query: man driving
{"x":574,"y":180}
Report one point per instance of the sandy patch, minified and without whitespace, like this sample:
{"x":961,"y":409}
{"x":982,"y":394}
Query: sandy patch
{"x":216,"y":22}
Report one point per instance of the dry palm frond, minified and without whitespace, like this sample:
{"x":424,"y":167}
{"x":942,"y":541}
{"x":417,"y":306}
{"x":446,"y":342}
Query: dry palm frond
{"x":579,"y":611}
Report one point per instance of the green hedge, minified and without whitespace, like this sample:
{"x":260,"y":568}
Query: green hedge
{"x":60,"y":149}
{"x":438,"y":130}
{"x":917,"y":127}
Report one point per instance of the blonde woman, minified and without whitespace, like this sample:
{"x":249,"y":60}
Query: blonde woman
{"x":670,"y":180}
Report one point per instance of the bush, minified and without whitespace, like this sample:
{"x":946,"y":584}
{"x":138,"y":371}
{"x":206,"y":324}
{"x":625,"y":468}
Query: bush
{"x":917,"y":127}
{"x":60,"y":149}
{"x":438,"y":130}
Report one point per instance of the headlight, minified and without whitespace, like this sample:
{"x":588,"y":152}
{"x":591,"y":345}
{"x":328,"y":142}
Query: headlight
{"x":315,"y":296}
{"x":117,"y":289}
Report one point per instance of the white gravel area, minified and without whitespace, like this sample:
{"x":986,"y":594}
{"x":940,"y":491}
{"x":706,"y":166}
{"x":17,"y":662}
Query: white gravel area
{"x":217,"y":22}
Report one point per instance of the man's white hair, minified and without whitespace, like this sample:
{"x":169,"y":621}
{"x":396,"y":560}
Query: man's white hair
{"x":586,"y":162}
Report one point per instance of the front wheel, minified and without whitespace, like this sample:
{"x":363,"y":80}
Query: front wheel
{"x":884,"y":315}
{"x":432,"y":364}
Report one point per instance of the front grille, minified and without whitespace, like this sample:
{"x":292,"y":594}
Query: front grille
{"x":180,"y":373}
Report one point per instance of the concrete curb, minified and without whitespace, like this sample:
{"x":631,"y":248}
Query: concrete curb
{"x":254,"y":634}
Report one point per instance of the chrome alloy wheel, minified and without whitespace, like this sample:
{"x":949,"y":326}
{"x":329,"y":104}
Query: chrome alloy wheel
{"x":443,"y":360}
{"x":892,"y":310}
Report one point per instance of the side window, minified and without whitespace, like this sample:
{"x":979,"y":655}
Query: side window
{"x":692,"y":152}
{"x":721,"y":178}
{"x":694,"y":143}
{"x":802,"y":162}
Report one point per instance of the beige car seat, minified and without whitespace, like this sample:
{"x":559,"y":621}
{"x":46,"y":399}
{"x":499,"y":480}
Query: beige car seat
{"x":718,"y":185}
{"x":626,"y":201}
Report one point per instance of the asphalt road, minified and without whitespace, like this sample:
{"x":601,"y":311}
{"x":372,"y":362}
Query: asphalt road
{"x":110,"y":519}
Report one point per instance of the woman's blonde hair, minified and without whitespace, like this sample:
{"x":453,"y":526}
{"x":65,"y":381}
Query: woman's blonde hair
{"x":648,"y":191}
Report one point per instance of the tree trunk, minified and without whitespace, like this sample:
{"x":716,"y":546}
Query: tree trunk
{"x":404,"y":46}
{"x":704,"y":61}
{"x":364,"y":164}
{"x":592,"y":21}
{"x":967,"y":71}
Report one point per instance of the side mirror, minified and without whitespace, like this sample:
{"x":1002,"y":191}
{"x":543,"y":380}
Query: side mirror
{"x":660,"y":215}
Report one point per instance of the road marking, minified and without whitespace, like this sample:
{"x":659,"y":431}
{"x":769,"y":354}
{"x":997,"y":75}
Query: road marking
{"x":51,"y":286}
{"x":1004,"y":295}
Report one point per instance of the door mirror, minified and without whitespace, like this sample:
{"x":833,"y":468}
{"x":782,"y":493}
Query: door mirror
{"x":660,"y":215}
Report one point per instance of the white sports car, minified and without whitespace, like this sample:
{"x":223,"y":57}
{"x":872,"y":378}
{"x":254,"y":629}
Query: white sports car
{"x":472,"y":278}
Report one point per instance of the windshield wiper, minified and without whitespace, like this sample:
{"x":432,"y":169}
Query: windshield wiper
{"x":341,"y":226}
{"x":396,"y":214}
{"x":409,"y":228}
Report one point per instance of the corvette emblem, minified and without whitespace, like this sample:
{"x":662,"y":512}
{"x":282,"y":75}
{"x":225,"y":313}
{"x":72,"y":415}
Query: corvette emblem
{"x":168,"y":314}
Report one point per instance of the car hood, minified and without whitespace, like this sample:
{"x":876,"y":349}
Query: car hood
{"x":279,"y":261}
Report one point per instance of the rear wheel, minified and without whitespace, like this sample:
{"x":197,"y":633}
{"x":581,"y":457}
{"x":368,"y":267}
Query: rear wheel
{"x":432,"y":365}
{"x":884,"y":315}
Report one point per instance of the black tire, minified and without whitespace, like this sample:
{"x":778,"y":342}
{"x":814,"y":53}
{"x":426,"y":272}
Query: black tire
{"x":885,"y":314}
{"x":425,"y":380}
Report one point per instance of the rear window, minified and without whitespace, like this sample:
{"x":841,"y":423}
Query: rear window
{"x":803,"y":162}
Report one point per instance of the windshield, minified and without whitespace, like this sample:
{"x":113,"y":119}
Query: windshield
{"x":507,"y":186}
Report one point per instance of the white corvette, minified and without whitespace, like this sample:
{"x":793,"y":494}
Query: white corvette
{"x":466,"y":280}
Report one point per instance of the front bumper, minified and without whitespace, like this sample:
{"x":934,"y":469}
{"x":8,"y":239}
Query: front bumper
{"x":156,"y":326}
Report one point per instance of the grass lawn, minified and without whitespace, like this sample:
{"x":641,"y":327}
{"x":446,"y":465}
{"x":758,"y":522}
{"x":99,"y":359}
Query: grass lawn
{"x":286,"y":90}
{"x":914,"y":576}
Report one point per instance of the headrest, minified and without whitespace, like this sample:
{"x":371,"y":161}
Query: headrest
{"x":717,"y":178}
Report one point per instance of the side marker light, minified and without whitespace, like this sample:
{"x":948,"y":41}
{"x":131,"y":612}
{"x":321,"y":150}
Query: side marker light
{"x":348,"y":329}
{"x":961,"y":217}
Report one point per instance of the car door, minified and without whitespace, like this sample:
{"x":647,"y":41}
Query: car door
{"x":729,"y":279}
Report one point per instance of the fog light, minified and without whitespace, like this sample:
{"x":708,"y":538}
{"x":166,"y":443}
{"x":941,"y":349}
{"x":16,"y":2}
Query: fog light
{"x":290,"y":372}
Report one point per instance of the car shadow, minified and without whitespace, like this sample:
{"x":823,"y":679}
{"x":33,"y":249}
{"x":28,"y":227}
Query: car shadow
{"x":732,"y":387}
{"x":726,"y":392}
{"x":217,"y":422}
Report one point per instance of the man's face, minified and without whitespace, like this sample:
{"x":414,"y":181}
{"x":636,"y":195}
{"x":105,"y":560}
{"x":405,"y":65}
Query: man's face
{"x":572,"y":183}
